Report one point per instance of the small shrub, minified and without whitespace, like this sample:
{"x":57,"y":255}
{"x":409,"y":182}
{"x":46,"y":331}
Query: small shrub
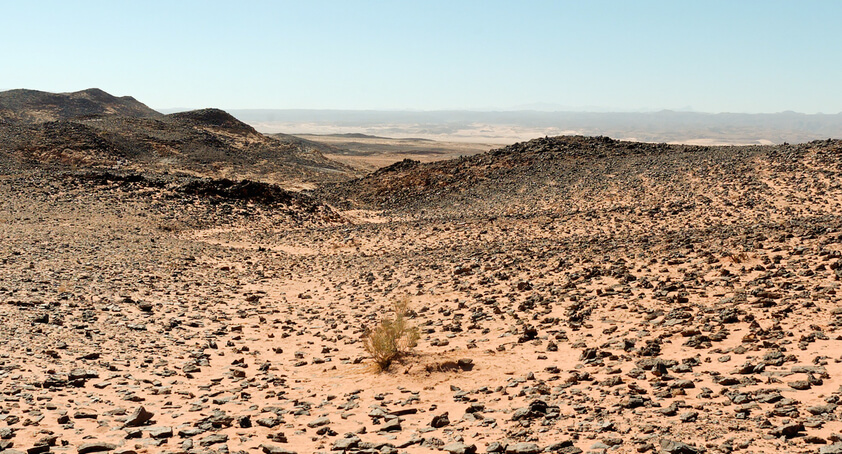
{"x":392,"y":338}
{"x":736,"y":257}
{"x":171,"y":226}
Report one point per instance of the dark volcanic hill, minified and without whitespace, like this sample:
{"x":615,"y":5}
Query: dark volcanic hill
{"x":37,"y":106}
{"x":573,"y":173}
{"x":94,"y":129}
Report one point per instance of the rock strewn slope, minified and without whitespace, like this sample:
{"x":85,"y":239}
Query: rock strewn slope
{"x":570,"y":171}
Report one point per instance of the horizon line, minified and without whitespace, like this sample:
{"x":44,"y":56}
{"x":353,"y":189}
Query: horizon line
{"x":407,"y":110}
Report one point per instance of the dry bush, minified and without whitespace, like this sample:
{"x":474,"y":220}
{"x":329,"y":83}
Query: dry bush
{"x":171,"y":226}
{"x":392,"y":338}
{"x":346,"y":243}
{"x":736,"y":257}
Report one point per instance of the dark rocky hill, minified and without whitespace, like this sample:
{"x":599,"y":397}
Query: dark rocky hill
{"x":214,"y":118}
{"x":37,"y":106}
{"x":573,"y":173}
{"x":96,"y":130}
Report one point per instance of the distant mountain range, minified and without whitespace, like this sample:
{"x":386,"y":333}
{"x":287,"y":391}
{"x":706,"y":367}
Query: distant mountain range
{"x":511,"y":126}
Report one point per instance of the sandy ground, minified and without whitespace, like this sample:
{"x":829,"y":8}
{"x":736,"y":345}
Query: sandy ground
{"x":505,"y":134}
{"x":371,"y":153}
{"x":473,"y":133}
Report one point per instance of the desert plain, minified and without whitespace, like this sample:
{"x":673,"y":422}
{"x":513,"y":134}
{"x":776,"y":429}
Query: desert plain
{"x":572,"y":294}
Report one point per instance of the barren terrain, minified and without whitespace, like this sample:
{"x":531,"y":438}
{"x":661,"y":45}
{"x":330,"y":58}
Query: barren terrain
{"x":573,"y":294}
{"x":372,"y":152}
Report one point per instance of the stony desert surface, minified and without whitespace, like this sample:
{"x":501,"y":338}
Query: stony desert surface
{"x":572,"y":294}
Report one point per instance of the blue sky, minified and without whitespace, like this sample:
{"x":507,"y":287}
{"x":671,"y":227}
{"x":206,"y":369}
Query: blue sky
{"x":711,"y":56}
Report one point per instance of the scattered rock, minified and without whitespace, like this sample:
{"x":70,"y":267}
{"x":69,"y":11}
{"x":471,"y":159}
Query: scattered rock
{"x":95,"y":446}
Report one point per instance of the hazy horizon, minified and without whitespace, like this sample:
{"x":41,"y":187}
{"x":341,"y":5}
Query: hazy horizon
{"x":168,"y":110}
{"x":503,"y":127}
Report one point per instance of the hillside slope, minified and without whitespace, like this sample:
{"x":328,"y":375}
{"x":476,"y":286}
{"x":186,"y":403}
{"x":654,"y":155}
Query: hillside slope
{"x":94,"y":129}
{"x":37,"y":106}
{"x":572,"y":173}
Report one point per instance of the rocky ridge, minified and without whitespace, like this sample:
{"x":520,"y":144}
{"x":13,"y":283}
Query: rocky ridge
{"x":34,"y":106}
{"x":92,"y":129}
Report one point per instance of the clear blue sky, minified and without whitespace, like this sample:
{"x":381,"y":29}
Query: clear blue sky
{"x":713,"y":56}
